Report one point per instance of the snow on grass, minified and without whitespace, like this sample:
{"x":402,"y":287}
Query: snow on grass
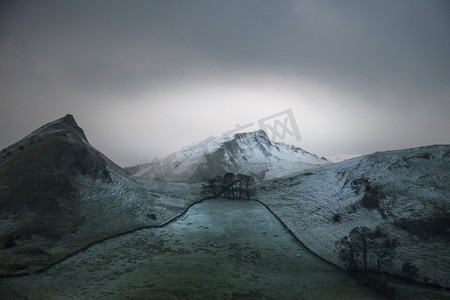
{"x":416,"y":184}
{"x":220,"y":249}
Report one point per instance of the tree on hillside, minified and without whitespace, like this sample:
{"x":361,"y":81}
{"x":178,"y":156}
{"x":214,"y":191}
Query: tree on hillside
{"x":245,"y":186}
{"x":410,"y":270}
{"x":348,"y":253}
{"x":211,"y":187}
{"x":248,"y":186}
{"x":362,"y":238}
{"x":383,"y":248}
{"x":363,"y":246}
{"x":228,"y":182}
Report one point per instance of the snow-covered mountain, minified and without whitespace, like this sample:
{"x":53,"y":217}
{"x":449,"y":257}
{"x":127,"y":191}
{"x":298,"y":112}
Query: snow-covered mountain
{"x":405,"y":192}
{"x":58,"y":194}
{"x":249,"y":153}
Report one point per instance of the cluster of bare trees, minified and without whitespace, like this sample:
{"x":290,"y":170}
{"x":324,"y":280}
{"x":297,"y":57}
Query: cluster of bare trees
{"x":365,"y":249}
{"x":230,"y":186}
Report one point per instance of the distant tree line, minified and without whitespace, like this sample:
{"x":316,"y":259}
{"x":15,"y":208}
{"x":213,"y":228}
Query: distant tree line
{"x":229,"y":186}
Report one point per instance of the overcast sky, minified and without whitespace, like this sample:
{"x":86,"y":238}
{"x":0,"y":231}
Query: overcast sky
{"x":145,"y":78}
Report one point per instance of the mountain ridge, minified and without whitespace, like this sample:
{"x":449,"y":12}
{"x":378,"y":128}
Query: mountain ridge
{"x":250,"y":153}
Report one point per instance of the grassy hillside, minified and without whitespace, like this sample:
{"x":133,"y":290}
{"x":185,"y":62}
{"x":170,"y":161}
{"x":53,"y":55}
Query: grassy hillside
{"x":405,"y":193}
{"x":58,"y":194}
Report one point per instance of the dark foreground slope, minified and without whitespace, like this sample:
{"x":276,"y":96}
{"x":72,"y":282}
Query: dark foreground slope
{"x":406,"y":193}
{"x":58,"y":194}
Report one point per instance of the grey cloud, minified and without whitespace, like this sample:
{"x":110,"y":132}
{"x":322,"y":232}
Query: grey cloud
{"x":389,"y":53}
{"x":360,"y":42}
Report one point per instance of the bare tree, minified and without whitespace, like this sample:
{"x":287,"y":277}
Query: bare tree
{"x":240,"y":189}
{"x":211,"y":187}
{"x":383,"y":248}
{"x":363,"y":244}
{"x":248,"y":184}
{"x":228,"y":181}
{"x":362,"y":239}
{"x":348,"y":253}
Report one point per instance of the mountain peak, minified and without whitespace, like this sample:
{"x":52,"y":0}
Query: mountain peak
{"x":260,"y":132}
{"x":256,"y":133}
{"x":250,"y":153}
{"x":258,"y":136}
{"x":67,"y":123}
{"x":69,"y":120}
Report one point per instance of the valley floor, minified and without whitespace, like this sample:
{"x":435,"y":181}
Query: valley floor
{"x":219,"y":249}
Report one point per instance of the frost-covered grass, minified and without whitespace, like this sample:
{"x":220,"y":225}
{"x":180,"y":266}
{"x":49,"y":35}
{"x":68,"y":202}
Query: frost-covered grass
{"x":415,"y":185}
{"x":105,"y":209}
{"x":220,"y":249}
{"x":58,"y":194}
